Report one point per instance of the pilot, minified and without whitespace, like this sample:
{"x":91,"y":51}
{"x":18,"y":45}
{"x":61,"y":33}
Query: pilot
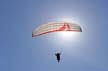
{"x":58,"y":56}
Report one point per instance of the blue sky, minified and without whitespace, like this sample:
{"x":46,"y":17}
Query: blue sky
{"x":20,"y":52}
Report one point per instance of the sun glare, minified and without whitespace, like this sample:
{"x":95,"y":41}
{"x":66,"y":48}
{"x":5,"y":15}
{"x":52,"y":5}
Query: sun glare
{"x":67,"y":35}
{"x":68,"y":20}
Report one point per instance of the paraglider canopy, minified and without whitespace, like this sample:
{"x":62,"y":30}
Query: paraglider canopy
{"x":56,"y":27}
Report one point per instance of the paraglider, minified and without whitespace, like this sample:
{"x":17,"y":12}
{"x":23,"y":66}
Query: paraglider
{"x":56,"y":27}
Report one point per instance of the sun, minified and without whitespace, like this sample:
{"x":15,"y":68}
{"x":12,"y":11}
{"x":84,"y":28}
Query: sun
{"x":64,"y":38}
{"x":67,"y":35}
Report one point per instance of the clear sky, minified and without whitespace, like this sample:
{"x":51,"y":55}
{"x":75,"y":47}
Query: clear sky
{"x":20,"y":52}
